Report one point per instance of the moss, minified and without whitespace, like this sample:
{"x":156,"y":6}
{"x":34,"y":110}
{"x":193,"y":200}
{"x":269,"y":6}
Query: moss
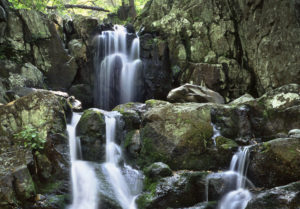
{"x":128,"y":139}
{"x":225,"y":143}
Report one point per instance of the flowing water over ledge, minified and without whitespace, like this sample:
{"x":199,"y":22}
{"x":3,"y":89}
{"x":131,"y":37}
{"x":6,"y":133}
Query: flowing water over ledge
{"x":121,"y":181}
{"x":118,"y":68}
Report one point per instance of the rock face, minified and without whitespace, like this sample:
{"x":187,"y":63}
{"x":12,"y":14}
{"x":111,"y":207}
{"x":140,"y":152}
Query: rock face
{"x":23,"y":172}
{"x":244,"y":45}
{"x":193,"y":93}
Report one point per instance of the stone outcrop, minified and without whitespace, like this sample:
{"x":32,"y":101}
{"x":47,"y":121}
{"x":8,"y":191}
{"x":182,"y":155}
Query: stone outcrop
{"x":23,"y":172}
{"x":244,"y":46}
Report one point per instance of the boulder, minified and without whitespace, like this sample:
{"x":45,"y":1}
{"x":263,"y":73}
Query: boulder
{"x":91,"y":131}
{"x":280,"y":157}
{"x":180,"y":135}
{"x":193,"y":93}
{"x":183,"y":189}
{"x":83,"y":93}
{"x":283,"y":197}
{"x":158,"y":170}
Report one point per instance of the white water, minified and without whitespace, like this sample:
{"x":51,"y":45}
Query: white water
{"x":83,"y":176}
{"x":238,"y":198}
{"x":126,"y":182}
{"x":117,"y":68}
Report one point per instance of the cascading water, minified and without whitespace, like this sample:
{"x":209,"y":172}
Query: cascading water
{"x":83,"y":176}
{"x":125,"y":181}
{"x":117,"y":68}
{"x":235,"y":181}
{"x":238,"y":198}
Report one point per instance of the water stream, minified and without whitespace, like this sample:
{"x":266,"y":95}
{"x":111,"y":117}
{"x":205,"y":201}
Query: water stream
{"x":126,"y":181}
{"x":83,"y":175}
{"x":117,"y":68}
{"x":235,"y":181}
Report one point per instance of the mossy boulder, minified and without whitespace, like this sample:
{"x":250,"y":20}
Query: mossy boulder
{"x":91,"y":130}
{"x":183,"y":189}
{"x":179,"y":135}
{"x":282,"y":197}
{"x":280,"y":158}
{"x":46,"y":113}
{"x":158,"y":170}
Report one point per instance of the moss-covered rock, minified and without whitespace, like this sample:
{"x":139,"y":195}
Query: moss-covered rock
{"x":178,"y":135}
{"x":157,"y":170}
{"x":280,"y":157}
{"x":91,"y":130}
{"x":282,"y":197}
{"x":183,"y":189}
{"x":45,"y":112}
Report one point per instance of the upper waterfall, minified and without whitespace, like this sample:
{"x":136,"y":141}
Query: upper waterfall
{"x":118,"y":68}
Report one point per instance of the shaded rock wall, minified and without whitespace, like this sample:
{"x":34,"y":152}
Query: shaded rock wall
{"x":254,"y":42}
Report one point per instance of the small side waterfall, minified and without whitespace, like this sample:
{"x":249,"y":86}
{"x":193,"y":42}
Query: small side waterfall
{"x":235,"y":180}
{"x":238,"y":198}
{"x":83,"y":176}
{"x":125,"y":181}
{"x":117,"y":68}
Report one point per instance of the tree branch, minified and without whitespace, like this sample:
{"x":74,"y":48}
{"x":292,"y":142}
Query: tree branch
{"x":70,"y":6}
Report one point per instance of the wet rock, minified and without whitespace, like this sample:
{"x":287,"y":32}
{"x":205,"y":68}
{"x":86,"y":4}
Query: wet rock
{"x":193,"y":93}
{"x":205,"y":205}
{"x":131,"y":114}
{"x":91,"y":131}
{"x":183,"y":189}
{"x":282,"y":197}
{"x":158,"y":170}
{"x":280,"y":157}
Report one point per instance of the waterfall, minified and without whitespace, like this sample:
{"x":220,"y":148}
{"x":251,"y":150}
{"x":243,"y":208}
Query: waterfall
{"x":126,"y":182}
{"x":83,"y":176}
{"x":117,"y":68}
{"x":238,"y":198}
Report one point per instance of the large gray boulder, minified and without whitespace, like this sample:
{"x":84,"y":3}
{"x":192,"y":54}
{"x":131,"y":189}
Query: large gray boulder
{"x":194,"y":93}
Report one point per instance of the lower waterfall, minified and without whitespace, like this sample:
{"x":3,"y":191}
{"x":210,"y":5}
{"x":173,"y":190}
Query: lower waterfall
{"x":125,"y":182}
{"x":238,"y":196}
{"x":83,"y":175}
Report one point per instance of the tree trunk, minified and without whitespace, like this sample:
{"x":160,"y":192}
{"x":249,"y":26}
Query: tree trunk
{"x":132,"y":8}
{"x":70,"y":6}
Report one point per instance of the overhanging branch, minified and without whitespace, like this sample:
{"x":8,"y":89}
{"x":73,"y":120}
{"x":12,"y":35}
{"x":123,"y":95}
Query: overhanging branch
{"x":71,"y":6}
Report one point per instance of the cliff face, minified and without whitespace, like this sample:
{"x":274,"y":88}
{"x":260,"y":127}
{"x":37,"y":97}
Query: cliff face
{"x":231,"y":46}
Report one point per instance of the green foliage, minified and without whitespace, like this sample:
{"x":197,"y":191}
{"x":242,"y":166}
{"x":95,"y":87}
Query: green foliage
{"x":40,"y":5}
{"x":31,"y":139}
